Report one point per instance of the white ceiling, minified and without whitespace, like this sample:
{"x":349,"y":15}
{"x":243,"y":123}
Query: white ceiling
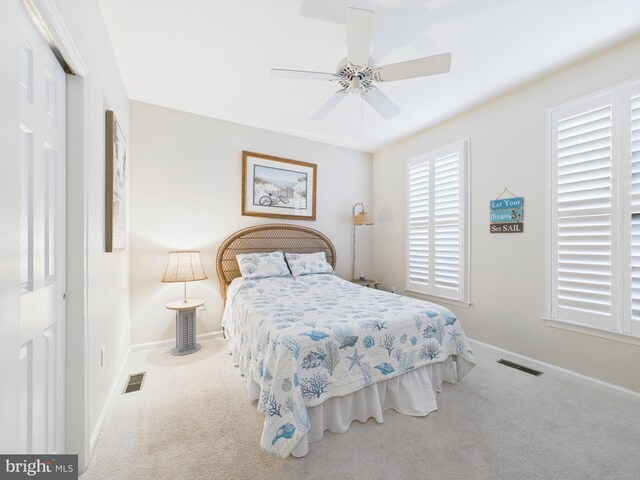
{"x":212,"y":57}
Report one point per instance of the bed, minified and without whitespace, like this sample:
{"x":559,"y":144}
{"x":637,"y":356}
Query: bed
{"x":318,"y":352}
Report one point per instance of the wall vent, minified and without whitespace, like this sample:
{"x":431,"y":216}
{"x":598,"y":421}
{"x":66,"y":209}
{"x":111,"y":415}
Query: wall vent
{"x":517,"y":366}
{"x":135,"y":382}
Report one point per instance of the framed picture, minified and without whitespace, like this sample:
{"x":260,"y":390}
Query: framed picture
{"x":116,"y":187}
{"x":278,"y":187}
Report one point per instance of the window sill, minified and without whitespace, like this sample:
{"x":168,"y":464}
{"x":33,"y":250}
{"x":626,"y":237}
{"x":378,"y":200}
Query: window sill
{"x":596,"y":332}
{"x":437,"y":299}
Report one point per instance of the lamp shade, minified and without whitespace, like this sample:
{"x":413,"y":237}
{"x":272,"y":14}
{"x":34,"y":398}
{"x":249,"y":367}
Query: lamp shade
{"x":184,"y":267}
{"x":362,"y":217}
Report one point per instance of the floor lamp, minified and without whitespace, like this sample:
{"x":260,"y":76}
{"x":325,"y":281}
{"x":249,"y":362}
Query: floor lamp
{"x":360,"y":218}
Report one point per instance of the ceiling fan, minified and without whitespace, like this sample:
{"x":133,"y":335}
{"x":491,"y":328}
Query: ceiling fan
{"x":356,"y":73}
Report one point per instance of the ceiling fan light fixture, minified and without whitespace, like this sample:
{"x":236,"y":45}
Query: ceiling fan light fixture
{"x":356,"y":83}
{"x":357,"y":72}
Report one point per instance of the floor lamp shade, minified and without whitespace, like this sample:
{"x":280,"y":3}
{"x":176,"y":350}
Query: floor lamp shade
{"x":362,"y":217}
{"x":184,"y":267}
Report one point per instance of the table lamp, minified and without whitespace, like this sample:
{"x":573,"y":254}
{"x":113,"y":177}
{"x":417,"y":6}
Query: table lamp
{"x":184,"y":267}
{"x":360,"y":218}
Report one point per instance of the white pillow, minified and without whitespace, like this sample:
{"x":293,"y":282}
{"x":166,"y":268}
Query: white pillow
{"x":262,"y":265}
{"x":308,"y":263}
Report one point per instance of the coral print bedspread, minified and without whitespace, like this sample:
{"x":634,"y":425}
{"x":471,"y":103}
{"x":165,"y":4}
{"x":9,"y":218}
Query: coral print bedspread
{"x":306,"y":339}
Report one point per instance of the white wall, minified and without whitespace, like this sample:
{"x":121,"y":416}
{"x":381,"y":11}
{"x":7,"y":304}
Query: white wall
{"x":185,"y":194}
{"x":108,"y":272}
{"x":508,"y":138}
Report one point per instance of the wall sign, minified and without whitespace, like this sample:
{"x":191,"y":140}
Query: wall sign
{"x":506,"y":214}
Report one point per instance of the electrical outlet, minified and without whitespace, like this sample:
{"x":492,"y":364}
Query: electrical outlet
{"x":103,"y":356}
{"x":393,"y":289}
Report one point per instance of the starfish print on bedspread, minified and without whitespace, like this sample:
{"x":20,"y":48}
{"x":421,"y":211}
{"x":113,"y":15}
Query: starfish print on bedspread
{"x":355,"y":359}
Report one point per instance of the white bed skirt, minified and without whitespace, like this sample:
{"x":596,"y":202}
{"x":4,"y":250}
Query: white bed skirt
{"x":412,"y":393}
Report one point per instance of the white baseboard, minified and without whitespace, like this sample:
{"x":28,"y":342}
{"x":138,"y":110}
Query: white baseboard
{"x":165,"y":343}
{"x":563,"y":372}
{"x":114,"y":388}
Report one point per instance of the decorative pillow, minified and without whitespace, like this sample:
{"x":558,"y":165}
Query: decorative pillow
{"x":262,"y":265}
{"x":308,"y":263}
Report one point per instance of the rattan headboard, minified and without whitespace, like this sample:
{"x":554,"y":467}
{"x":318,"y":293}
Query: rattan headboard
{"x":268,"y":238}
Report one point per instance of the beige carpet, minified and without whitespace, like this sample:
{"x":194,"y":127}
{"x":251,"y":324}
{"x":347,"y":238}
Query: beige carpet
{"x":192,"y":421}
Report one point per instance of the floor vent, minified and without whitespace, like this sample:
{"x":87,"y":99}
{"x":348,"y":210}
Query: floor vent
{"x":517,"y":366}
{"x":135,"y":382}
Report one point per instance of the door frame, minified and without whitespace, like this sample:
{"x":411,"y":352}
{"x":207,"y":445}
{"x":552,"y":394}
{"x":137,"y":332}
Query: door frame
{"x":49,"y":22}
{"x":9,"y":237}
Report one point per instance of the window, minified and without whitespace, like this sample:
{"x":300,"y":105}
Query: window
{"x":594,"y":259}
{"x":437,"y":222}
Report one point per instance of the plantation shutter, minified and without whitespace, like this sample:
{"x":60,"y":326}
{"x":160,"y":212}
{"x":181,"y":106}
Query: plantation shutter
{"x":582,"y":170}
{"x":436,"y":210}
{"x":418,"y":224}
{"x":446,"y":219}
{"x":635,"y":208}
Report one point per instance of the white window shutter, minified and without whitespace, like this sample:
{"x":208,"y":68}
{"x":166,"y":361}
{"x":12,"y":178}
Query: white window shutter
{"x":446,"y":220}
{"x":635,"y":208}
{"x":594,"y":260}
{"x":581,"y":204}
{"x":437,"y":216}
{"x":418,"y":225}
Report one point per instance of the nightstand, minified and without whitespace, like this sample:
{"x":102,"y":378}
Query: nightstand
{"x":185,"y":326}
{"x":367,"y":282}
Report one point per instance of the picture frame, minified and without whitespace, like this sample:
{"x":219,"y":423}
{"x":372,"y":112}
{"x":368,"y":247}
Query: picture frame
{"x":276,"y":187}
{"x":116,"y":185}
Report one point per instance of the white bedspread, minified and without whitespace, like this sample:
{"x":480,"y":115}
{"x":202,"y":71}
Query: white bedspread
{"x":306,"y":339}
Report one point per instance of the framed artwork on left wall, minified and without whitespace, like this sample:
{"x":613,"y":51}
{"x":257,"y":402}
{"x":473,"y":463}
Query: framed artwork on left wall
{"x":116,"y":185}
{"x":278,"y":187}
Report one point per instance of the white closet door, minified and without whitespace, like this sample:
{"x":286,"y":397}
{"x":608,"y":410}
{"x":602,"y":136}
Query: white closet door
{"x":42,"y":252}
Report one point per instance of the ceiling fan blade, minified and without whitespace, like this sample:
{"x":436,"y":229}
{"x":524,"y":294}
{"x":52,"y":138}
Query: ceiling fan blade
{"x":380,"y":103}
{"x":302,"y":74}
{"x":332,"y":103}
{"x":420,"y":67}
{"x":359,"y":29}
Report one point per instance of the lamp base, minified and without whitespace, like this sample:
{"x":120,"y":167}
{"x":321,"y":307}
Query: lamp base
{"x":185,"y":326}
{"x":175,"y":351}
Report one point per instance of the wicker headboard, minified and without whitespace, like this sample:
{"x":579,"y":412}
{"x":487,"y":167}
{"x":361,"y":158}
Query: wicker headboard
{"x":268,"y":238}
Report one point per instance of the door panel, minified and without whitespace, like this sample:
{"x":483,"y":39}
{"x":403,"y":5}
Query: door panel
{"x":42,"y":255}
